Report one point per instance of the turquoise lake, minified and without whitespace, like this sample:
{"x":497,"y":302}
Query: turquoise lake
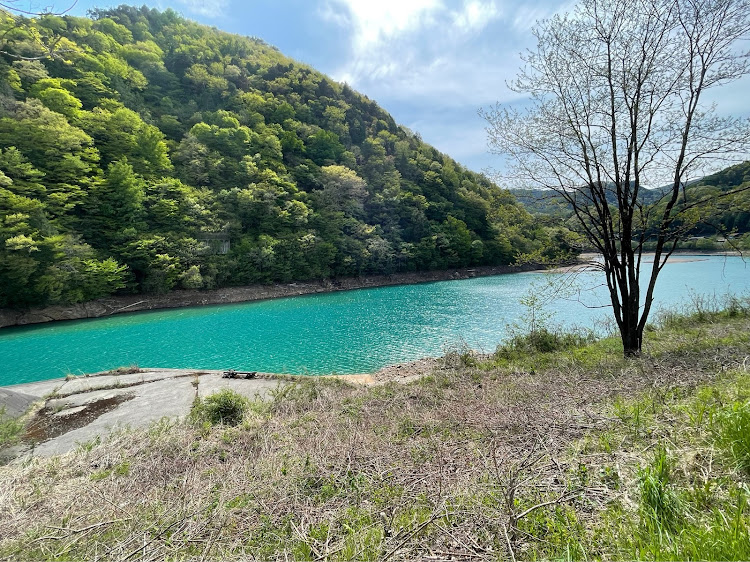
{"x":348,"y":332}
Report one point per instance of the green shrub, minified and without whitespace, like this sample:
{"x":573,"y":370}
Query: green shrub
{"x":225,"y":407}
{"x":542,"y":340}
{"x":661,"y":507}
{"x":732,"y":432}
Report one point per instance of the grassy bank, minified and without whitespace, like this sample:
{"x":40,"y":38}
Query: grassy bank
{"x":572,"y":453}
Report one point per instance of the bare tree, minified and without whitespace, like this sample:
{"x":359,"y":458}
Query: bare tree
{"x":617,"y":92}
{"x":16,"y":7}
{"x":17,"y":26}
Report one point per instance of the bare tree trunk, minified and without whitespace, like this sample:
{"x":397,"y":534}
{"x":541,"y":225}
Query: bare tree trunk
{"x":625,"y":298}
{"x":631,"y":335}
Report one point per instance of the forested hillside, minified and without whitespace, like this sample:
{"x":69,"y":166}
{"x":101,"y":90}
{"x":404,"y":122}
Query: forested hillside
{"x":150,"y":153}
{"x":735,"y":208}
{"x":712,"y":215}
{"x":715,"y":211}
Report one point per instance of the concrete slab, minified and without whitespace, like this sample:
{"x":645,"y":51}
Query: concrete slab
{"x":170,"y":398}
{"x":84,"y":399}
{"x":14,"y":404}
{"x":38,"y":389}
{"x":94,"y":406}
{"x":86,"y":384}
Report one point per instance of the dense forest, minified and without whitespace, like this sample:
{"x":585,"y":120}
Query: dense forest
{"x":143,"y":152}
{"x":732,"y":213}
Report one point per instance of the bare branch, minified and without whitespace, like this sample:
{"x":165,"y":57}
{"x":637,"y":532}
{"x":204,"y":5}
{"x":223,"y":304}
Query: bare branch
{"x":617,"y":90}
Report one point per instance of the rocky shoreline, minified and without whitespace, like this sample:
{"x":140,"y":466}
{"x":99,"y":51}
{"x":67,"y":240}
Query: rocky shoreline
{"x":185,"y":298}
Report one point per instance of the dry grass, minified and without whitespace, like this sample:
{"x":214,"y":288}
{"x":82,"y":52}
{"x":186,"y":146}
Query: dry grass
{"x":464,"y":463}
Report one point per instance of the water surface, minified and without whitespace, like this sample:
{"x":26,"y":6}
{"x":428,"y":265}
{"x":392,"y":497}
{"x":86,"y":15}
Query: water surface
{"x":346,"y":332}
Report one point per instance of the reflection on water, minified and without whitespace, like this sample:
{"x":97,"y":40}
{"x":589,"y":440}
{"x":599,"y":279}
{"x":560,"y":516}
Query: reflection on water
{"x":350,"y":332}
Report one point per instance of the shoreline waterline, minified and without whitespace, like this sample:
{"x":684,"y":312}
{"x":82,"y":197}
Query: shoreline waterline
{"x":398,"y":372}
{"x":122,"y":304}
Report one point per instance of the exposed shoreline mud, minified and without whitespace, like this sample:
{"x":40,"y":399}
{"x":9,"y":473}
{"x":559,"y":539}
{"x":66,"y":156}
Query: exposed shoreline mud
{"x":231,"y":295}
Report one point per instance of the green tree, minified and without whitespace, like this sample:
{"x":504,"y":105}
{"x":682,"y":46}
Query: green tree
{"x":20,"y":176}
{"x":121,"y":133}
{"x":63,"y":153}
{"x":115,"y":205}
{"x":343,"y":190}
{"x":324,"y":147}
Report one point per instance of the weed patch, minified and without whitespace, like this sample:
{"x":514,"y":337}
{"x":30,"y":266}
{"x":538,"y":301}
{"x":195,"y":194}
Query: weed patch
{"x":11,"y":429}
{"x":225,"y":407}
{"x":732,"y":433}
{"x":660,"y":505}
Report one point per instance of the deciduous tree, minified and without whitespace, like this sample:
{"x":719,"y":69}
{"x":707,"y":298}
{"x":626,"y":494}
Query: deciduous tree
{"x":618,"y":102}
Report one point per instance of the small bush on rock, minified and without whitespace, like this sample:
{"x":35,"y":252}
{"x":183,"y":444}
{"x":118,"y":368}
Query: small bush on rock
{"x":225,"y":407}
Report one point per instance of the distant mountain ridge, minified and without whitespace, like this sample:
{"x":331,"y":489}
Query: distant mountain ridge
{"x":548,"y":202}
{"x":153,"y":153}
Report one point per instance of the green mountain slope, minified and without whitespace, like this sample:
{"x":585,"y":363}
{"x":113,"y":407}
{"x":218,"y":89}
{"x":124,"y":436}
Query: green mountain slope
{"x":720,"y":215}
{"x":733,"y":210}
{"x":152,"y":153}
{"x":728,"y":178}
{"x":549,"y":202}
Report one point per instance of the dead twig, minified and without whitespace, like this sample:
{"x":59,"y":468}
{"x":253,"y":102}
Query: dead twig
{"x":435,"y":515}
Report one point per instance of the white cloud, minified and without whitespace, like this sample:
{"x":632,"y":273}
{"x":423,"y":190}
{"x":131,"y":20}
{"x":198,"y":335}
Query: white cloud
{"x":475,"y":15}
{"x":439,"y":58}
{"x":208,"y":8}
{"x":333,"y":13}
{"x":403,"y":48}
{"x":524,"y":17}
{"x":375,"y":23}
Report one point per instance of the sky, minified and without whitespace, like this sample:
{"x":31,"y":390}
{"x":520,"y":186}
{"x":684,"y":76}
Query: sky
{"x":432,"y":64}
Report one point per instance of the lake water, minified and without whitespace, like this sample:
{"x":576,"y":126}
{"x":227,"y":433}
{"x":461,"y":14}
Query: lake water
{"x":347,"y":332}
